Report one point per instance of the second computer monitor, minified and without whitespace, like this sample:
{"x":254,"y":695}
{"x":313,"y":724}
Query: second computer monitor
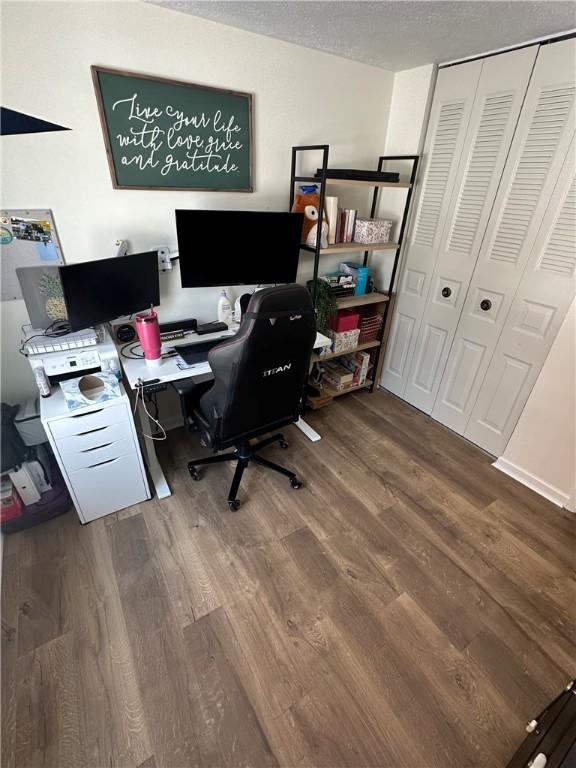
{"x":97,"y":291}
{"x":238,"y":247}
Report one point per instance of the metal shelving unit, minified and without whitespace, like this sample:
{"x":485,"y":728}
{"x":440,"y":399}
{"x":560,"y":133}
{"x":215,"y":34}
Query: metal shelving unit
{"x":379,"y":298}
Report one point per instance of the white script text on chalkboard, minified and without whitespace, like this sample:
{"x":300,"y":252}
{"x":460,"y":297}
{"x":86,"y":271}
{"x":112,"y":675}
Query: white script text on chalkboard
{"x":212,"y":153}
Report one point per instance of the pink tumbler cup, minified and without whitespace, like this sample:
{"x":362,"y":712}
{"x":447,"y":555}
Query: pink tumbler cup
{"x":149,"y":336}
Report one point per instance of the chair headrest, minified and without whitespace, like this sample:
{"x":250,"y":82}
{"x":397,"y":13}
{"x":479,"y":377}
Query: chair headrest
{"x":280,"y":299}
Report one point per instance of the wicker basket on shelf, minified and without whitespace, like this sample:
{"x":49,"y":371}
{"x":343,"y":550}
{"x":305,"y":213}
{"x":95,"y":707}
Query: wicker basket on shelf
{"x":370,"y":325}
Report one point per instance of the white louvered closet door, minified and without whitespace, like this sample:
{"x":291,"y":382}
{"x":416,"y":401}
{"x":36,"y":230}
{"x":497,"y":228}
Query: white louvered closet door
{"x":498,"y":102}
{"x":449,"y":117}
{"x":545,"y":293}
{"x":536,"y":158}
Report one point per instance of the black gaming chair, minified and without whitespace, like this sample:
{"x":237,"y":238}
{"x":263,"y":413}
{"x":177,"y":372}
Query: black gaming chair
{"x":259,"y":378}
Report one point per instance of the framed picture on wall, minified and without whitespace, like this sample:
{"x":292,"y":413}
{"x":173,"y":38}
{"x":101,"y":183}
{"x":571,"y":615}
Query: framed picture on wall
{"x":170,"y":134}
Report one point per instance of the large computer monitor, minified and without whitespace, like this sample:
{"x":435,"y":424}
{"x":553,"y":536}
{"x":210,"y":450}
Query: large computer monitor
{"x":238,"y":247}
{"x":97,"y":291}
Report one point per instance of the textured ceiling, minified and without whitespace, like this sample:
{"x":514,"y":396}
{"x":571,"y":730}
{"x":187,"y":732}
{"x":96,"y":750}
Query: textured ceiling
{"x":394,"y":35}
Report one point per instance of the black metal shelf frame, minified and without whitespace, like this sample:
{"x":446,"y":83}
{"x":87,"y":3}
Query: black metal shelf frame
{"x":322,"y":181}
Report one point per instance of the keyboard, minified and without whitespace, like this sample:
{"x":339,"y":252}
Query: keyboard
{"x":196,"y":353}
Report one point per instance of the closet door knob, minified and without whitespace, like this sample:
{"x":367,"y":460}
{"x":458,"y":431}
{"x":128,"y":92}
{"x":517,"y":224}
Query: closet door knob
{"x":446,"y":292}
{"x":485,"y":304}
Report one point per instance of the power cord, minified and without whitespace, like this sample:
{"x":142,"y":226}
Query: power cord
{"x":56,"y":329}
{"x":130,"y":353}
{"x":152,"y":399}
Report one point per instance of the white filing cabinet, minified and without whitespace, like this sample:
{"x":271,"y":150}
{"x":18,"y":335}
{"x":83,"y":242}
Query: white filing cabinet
{"x":98,"y":454}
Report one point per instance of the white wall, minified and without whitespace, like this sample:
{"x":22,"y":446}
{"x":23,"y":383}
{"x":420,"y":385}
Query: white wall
{"x":409,"y":108}
{"x":300,"y":97}
{"x":542,"y":452}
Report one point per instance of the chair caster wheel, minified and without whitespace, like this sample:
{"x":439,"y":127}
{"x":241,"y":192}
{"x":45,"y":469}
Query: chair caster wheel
{"x":234,"y":505}
{"x":295,"y":483}
{"x":283,"y":444}
{"x":194,"y":474}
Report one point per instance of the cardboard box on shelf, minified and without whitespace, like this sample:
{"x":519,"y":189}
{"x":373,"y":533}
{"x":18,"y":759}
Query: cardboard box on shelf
{"x":345,"y":340}
{"x":359,"y":364}
{"x":345,"y":320}
{"x":369,"y":231}
{"x":359,"y":274}
{"x":337,"y":376}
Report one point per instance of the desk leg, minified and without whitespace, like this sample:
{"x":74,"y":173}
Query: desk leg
{"x":310,"y":433}
{"x":160,"y":482}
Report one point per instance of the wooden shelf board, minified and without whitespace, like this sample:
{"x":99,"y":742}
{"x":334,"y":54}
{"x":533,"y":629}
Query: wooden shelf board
{"x":352,"y":247}
{"x":336,"y":393}
{"x":359,"y":348}
{"x":358,"y":301}
{"x":342,"y":247}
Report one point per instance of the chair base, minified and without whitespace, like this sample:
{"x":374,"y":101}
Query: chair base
{"x":243,"y":454}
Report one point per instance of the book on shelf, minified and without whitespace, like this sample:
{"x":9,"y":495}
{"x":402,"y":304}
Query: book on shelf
{"x":350,"y":225}
{"x":345,"y":225}
{"x":331,"y":209}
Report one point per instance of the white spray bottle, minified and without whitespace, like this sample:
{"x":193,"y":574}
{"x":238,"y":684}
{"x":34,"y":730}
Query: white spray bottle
{"x":224,"y":309}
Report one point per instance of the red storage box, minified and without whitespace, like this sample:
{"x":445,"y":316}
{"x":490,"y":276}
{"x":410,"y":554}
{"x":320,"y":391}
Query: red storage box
{"x":11,"y":504}
{"x":345,"y":320}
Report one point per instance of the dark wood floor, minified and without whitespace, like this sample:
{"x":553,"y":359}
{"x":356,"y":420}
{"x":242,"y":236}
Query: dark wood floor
{"x":409,"y":607}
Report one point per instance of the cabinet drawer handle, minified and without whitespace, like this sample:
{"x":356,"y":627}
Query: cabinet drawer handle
{"x":96,"y":448}
{"x":82,"y":415}
{"x":485,"y":305}
{"x":90,"y":431}
{"x":100,"y":463}
{"x":446,"y":292}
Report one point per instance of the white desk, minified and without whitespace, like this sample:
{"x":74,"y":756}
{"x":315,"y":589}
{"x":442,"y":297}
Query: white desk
{"x":137,"y":372}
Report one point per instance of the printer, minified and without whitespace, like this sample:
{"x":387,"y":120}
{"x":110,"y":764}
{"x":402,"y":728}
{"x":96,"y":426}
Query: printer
{"x":73,"y":354}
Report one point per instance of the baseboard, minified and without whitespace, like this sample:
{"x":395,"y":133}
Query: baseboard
{"x":549,"y":492}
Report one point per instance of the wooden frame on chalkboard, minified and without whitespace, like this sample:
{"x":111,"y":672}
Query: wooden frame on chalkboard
{"x":96,"y":70}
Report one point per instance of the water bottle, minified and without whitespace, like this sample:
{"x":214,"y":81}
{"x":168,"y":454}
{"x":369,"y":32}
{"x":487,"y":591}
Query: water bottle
{"x":42,"y":380}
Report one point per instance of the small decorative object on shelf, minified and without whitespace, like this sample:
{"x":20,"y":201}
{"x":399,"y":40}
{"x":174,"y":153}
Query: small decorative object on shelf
{"x":349,"y":230}
{"x":372,"y":230}
{"x":307,"y":201}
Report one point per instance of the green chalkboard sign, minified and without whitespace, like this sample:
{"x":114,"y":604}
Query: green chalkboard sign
{"x":169,"y":134}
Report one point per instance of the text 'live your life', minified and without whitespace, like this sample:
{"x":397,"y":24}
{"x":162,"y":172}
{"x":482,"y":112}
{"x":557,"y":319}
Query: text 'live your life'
{"x":195,"y":143}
